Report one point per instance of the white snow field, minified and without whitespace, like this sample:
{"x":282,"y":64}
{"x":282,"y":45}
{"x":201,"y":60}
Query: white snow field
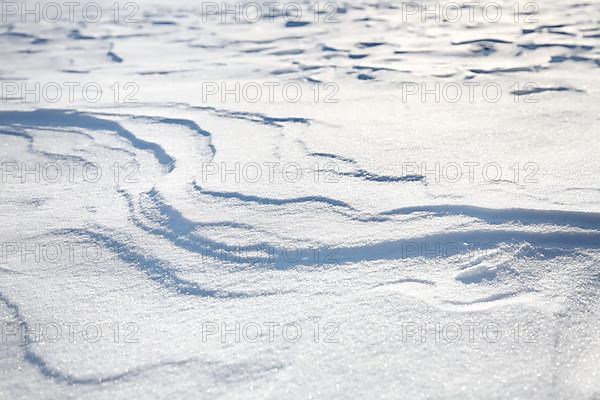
{"x":300,"y":206}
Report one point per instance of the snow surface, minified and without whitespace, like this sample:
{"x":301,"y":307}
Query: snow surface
{"x":399,"y":251}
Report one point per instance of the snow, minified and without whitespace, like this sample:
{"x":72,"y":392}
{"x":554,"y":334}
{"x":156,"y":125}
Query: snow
{"x":369,"y":239}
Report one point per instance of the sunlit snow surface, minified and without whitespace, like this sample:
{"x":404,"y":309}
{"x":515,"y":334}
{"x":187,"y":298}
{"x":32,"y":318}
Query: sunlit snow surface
{"x":381,"y":250}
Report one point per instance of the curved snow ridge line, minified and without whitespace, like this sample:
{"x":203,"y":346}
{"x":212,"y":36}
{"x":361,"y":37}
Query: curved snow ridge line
{"x":371,"y":177}
{"x":167,"y":212}
{"x":119,"y":150}
{"x":153,"y":193}
{"x":180,"y":231}
{"x":354,"y":214}
{"x":36,"y":40}
{"x":489,"y":299}
{"x":533,"y":68}
{"x":63,"y":118}
{"x":39,"y":363}
{"x":18,"y":132}
{"x":495,"y":216}
{"x":539,"y":89}
{"x":23,"y":127}
{"x":333,"y":156}
{"x":187,"y":123}
{"x":157,"y":270}
{"x":10,"y":271}
{"x":259,"y":118}
{"x":171,"y":225}
{"x":272,"y":201}
{"x":255,"y":117}
{"x":403,"y":280}
{"x":459,"y":242}
{"x":489,"y":302}
{"x":475,"y":41}
{"x":570,"y":46}
{"x":164,"y":72}
{"x":266,"y":41}
{"x":360,"y":173}
{"x":30,"y":148}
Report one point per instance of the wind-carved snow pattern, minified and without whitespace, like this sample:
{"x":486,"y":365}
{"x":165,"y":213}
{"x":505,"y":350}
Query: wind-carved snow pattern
{"x":354,"y":223}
